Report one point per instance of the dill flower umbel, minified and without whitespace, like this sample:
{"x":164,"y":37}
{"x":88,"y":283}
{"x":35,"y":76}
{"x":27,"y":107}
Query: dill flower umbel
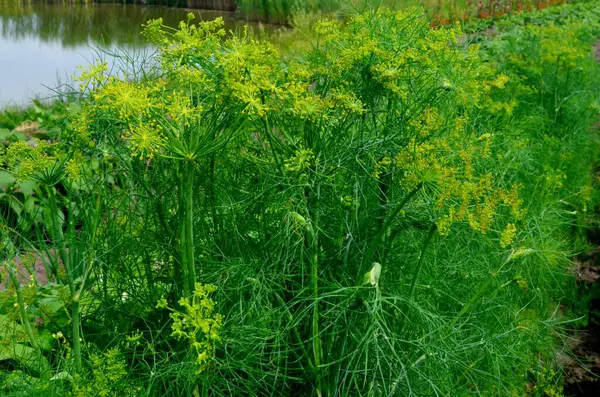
{"x":128,"y":99}
{"x":74,"y":166}
{"x":145,"y":140}
{"x":197,"y":323}
{"x":508,"y":235}
{"x":24,"y":161}
{"x":301,"y":160}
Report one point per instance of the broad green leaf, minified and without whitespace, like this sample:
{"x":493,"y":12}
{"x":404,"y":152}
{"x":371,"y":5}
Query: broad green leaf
{"x":24,"y":355}
{"x":54,"y":131}
{"x":7,"y":135}
{"x":45,"y":340}
{"x":5,"y":179}
{"x":50,"y":305}
{"x":27,"y":187}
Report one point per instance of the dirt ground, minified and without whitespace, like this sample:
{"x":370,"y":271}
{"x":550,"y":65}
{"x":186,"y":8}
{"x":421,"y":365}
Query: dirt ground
{"x":582,"y":366}
{"x":24,"y":270}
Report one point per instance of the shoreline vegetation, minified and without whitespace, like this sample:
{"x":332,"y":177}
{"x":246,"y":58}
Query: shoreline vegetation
{"x":393,"y":211}
{"x":285,"y":11}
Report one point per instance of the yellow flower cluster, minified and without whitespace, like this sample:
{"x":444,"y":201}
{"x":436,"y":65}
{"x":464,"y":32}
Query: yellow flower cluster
{"x":388,"y":64}
{"x":508,"y":235}
{"x":144,"y":139}
{"x":74,"y":166}
{"x":140,"y":110}
{"x":109,"y":370}
{"x":382,"y":167}
{"x":301,"y":161}
{"x":25,"y":160}
{"x":547,"y":383}
{"x":428,"y":122}
{"x":446,"y":167}
{"x":127,"y":99}
{"x":373,"y":42}
{"x":92,"y":77}
{"x":571,"y":49}
{"x":80,"y":127}
{"x":197,"y":323}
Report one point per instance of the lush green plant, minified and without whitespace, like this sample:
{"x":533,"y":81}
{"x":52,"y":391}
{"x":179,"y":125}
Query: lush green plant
{"x":391,"y":213}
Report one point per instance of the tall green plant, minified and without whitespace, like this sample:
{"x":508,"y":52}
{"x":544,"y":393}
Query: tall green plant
{"x":365,"y":212}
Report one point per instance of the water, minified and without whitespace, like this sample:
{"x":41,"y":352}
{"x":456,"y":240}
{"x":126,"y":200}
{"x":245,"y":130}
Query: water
{"x":42,"y":44}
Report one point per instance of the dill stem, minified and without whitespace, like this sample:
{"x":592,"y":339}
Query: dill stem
{"x":267,"y":127}
{"x":75,"y":313}
{"x":183,"y":257}
{"x":26,"y":323}
{"x":426,"y":243}
{"x":57,"y":233}
{"x":295,"y":333}
{"x":479,"y":293}
{"x":313,"y":228}
{"x":190,"y":277}
{"x":76,"y":322}
{"x":384,"y":228}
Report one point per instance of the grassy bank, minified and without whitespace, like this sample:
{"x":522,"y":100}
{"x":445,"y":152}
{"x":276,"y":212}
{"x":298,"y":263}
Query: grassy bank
{"x":285,"y":11}
{"x":360,"y":221}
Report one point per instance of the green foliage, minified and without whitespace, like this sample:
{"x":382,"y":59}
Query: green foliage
{"x":390,"y":213}
{"x":197,"y":324}
{"x":108,"y":377}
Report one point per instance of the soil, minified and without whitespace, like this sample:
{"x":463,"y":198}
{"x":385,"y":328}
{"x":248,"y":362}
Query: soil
{"x":24,"y":271}
{"x":582,"y":366}
{"x":31,"y":129}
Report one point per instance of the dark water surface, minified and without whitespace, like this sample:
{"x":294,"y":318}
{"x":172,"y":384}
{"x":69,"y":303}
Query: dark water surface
{"x":42,"y":44}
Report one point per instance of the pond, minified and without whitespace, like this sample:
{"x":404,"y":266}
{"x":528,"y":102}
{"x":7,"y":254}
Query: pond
{"x":42,"y":44}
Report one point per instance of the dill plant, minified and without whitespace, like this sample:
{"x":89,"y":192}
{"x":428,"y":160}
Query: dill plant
{"x":361,"y":220}
{"x":353,"y":111}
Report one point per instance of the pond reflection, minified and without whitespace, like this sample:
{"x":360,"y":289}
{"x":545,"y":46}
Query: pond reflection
{"x":41,"y":44}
